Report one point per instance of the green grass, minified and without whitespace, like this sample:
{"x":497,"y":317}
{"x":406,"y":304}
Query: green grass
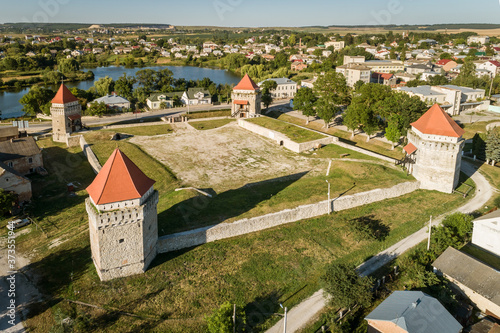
{"x":293,"y":132}
{"x":373,"y":145}
{"x":479,"y":126}
{"x":144,"y":130}
{"x":208,"y":114}
{"x":334,"y":151}
{"x":210,"y":124}
{"x":483,"y":256}
{"x":259,"y":271}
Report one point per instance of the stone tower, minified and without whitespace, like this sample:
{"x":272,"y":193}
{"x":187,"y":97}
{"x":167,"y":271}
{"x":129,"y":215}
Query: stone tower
{"x":66,"y":114}
{"x":246,"y":98}
{"x":435,"y":150}
{"x":123,"y":221}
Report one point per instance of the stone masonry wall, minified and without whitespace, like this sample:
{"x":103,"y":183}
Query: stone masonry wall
{"x":87,"y":151}
{"x":226,"y":230}
{"x":282,"y":139}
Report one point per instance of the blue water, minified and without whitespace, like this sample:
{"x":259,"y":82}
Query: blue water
{"x":9,"y":100}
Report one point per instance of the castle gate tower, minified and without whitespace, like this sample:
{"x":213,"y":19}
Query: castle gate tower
{"x":66,"y":114}
{"x":123,"y":221}
{"x":246,"y":98}
{"x":435,"y":148}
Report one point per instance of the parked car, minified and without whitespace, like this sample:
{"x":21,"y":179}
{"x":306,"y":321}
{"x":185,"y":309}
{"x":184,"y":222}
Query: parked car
{"x":18,"y":223}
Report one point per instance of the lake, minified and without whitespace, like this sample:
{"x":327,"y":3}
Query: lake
{"x":9,"y":100}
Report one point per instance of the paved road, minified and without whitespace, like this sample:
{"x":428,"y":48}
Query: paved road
{"x":309,"y":309}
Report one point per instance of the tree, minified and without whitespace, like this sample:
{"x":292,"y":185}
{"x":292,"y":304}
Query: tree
{"x":346,"y":288}
{"x":445,"y":55}
{"x":97,"y":109}
{"x":493,"y":146}
{"x":52,"y":77}
{"x":393,"y":132}
{"x":129,"y":61}
{"x":408,"y":109}
{"x":7,"y":199}
{"x":332,"y":92}
{"x":36,"y":100}
{"x":292,"y":40}
{"x":266,"y":88}
{"x":68,"y":65}
{"x":124,"y":86}
{"x":221,"y":320}
{"x":104,"y":86}
{"x":304,"y":101}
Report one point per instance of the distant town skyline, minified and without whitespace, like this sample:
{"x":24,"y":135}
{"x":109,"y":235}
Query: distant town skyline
{"x":256,"y":13}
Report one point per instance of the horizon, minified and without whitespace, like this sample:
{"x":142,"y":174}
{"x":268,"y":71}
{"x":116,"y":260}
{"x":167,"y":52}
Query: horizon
{"x":255,"y":14}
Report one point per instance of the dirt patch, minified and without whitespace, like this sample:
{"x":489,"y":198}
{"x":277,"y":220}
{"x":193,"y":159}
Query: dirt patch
{"x":224,"y":158}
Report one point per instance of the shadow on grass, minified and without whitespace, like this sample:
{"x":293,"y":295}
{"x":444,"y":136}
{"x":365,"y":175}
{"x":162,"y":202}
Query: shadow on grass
{"x":369,"y":227}
{"x":201,"y":211}
{"x":261,"y":309}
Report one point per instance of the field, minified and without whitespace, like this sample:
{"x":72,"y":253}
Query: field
{"x":257,"y":271}
{"x":210,"y":124}
{"x":293,"y":132}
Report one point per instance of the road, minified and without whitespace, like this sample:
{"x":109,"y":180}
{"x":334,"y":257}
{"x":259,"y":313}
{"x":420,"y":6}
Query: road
{"x":46,"y":126}
{"x":309,"y":309}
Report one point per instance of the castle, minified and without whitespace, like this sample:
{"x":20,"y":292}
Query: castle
{"x":66,"y":114}
{"x":434,"y":150}
{"x":123,"y":220}
{"x":246,"y":98}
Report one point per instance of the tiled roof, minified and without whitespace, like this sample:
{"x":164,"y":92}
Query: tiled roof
{"x":443,"y":62}
{"x":17,"y":148}
{"x":436,"y":121}
{"x":410,"y":148}
{"x":495,"y":62}
{"x":246,"y":84}
{"x":64,"y":96}
{"x":119,"y":180}
{"x":240,"y":102}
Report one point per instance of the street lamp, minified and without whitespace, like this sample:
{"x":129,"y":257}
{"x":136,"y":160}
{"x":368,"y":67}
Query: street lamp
{"x":329,"y":204}
{"x":284,"y":319}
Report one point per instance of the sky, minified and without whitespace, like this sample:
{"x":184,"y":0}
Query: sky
{"x":252,"y":13}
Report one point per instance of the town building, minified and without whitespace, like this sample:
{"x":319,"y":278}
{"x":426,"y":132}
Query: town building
{"x":14,"y":182}
{"x":492,"y":66}
{"x":336,"y":45}
{"x":21,"y":154}
{"x":454,"y":99}
{"x":411,"y":311}
{"x":123,"y":220}
{"x":286,"y":88}
{"x":385,"y":66}
{"x":387,"y":79}
{"x":66,"y":114}
{"x":354,"y":72}
{"x":486,"y":233}
{"x":478,"y":39}
{"x":196,"y":96}
{"x":247,"y":99}
{"x":113,"y":101}
{"x":298,"y":66}
{"x":155,"y":101}
{"x":472,"y":278}
{"x":434,"y":150}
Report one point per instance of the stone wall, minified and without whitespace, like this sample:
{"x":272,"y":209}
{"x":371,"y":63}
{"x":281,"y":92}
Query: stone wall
{"x":283,"y":140}
{"x":87,"y":151}
{"x":226,"y":230}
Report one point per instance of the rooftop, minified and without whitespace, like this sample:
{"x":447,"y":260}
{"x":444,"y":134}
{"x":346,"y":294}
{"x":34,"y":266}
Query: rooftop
{"x":281,"y":80}
{"x":479,"y":277}
{"x":436,"y":121}
{"x":111,"y":99}
{"x":422,"y":90}
{"x":64,"y":96}
{"x":246,"y":84}
{"x":119,"y":180}
{"x":415,"y":311}
{"x":17,"y":148}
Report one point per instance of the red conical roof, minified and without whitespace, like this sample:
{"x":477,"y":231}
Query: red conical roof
{"x":246,"y":84}
{"x":64,"y":96}
{"x":119,"y":180}
{"x":437,"y":122}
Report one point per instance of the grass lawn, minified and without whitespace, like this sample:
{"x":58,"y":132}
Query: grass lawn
{"x":479,"y":126}
{"x":293,"y":132}
{"x":258,"y":271}
{"x":142,"y":130}
{"x":375,"y":146}
{"x":208,"y":114}
{"x":210,"y":124}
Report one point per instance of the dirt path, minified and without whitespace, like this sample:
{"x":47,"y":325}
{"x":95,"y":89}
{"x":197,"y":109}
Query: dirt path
{"x":309,"y":309}
{"x":17,"y":281}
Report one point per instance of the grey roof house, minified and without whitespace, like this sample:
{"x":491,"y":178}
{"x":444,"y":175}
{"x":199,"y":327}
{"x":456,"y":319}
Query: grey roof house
{"x":412,"y":312}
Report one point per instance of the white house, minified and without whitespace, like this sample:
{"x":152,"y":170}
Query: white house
{"x":492,"y":66}
{"x":486,"y":233}
{"x":196,"y":96}
{"x":286,"y":88}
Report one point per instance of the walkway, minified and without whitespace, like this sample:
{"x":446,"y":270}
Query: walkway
{"x":309,"y":309}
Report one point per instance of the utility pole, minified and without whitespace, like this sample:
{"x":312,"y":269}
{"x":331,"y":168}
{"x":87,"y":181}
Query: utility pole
{"x":491,"y":85}
{"x":284,"y":324}
{"x":429,"y":239}
{"x":234,"y":318}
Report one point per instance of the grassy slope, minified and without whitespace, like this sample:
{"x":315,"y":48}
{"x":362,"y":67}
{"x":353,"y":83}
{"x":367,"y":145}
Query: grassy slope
{"x":143,"y":130}
{"x":294,"y":133}
{"x":210,"y":124}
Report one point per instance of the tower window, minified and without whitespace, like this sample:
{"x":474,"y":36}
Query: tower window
{"x":121,"y":240}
